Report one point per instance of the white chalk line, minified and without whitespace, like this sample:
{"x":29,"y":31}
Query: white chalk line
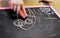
{"x":23,"y":24}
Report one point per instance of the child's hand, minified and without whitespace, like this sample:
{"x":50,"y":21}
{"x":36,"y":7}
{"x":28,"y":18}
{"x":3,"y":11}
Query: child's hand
{"x":15,"y":4}
{"x":18,"y":5}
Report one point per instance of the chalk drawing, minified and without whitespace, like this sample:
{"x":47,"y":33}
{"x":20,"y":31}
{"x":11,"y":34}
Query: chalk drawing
{"x":28,"y":21}
{"x":32,"y":18}
{"x":20,"y":23}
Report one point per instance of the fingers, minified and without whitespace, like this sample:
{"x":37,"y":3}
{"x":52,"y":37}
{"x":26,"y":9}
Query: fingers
{"x":18,"y":9}
{"x":14,"y":7}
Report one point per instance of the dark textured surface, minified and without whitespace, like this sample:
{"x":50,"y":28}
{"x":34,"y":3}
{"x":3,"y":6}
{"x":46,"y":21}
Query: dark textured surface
{"x":45,"y":28}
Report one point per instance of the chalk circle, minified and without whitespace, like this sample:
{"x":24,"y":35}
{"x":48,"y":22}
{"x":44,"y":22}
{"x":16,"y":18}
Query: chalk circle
{"x":18,"y":22}
{"x":28,"y":21}
{"x":22,"y":24}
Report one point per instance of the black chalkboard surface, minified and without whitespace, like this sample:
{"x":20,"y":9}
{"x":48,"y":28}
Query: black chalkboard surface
{"x":46,"y":24}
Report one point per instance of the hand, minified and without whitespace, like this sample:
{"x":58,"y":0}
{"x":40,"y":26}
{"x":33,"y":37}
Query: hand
{"x":15,"y":4}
